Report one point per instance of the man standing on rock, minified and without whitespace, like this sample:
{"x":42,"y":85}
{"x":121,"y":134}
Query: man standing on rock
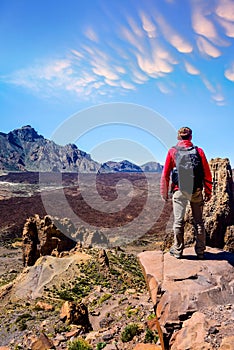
{"x":190,"y":174}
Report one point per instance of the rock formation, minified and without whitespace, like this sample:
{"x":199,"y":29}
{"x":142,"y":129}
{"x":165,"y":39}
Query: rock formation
{"x":194,"y":299}
{"x":90,"y":238}
{"x":75,"y":313}
{"x":218,"y":212}
{"x":45,"y":237}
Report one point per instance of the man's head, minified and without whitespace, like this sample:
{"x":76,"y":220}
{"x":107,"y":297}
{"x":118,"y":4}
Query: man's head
{"x":184,"y":133}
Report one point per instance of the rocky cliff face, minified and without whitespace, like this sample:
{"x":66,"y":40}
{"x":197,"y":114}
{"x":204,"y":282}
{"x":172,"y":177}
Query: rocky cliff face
{"x":24,"y":150}
{"x":218,"y":212}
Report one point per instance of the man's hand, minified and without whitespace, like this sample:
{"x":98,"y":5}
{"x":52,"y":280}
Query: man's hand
{"x":164,"y":198}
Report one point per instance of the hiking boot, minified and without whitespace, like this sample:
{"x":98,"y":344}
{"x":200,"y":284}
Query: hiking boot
{"x":200,"y":257}
{"x":175,"y":254}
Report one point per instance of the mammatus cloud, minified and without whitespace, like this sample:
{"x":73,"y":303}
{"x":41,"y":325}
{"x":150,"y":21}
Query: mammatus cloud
{"x":225,"y":10}
{"x":229,"y":73}
{"x":163,"y":88}
{"x":172,"y":36}
{"x":216,"y":92}
{"x":191,"y":69}
{"x":228,"y":27}
{"x":144,"y":46}
{"x":204,"y":23}
{"x":148,"y":25}
{"x":206,"y":48}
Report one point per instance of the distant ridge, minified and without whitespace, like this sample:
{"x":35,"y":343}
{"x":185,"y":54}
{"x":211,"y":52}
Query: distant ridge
{"x":126,"y":166}
{"x":25,"y":150}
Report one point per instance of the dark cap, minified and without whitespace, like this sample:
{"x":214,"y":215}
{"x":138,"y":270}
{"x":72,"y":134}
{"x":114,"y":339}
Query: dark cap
{"x":184,"y":133}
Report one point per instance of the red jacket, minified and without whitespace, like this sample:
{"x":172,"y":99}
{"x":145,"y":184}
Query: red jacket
{"x":170,"y":164}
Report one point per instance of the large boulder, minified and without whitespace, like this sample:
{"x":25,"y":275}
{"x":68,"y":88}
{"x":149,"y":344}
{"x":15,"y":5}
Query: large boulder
{"x":75,"y":313}
{"x":180,"y":288}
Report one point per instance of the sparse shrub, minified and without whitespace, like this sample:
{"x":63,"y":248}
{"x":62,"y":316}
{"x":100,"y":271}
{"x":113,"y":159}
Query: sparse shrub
{"x":151,"y":316}
{"x":131,"y":311}
{"x":79,"y":344}
{"x":151,"y":336}
{"x":129,"y":332}
{"x":65,"y":295}
{"x":104,"y":298}
{"x":22,"y":319}
{"x":101,"y":346}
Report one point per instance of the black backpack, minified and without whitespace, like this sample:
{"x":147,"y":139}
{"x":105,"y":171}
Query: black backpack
{"x":188,"y":174}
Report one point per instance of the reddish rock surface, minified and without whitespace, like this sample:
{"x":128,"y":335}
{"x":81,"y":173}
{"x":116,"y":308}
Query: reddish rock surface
{"x":181,"y":288}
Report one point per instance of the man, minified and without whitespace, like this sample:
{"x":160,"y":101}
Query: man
{"x":181,"y":197}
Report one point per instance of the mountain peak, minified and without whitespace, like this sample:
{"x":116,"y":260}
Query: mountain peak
{"x":26,"y":133}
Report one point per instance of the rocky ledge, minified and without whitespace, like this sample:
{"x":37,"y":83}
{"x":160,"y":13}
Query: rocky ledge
{"x":193,"y":299}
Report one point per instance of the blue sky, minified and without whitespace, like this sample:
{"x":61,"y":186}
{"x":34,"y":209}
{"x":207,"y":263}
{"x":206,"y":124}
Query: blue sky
{"x":174,"y":57}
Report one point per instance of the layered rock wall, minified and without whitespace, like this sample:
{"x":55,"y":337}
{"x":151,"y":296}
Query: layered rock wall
{"x":218,"y":212}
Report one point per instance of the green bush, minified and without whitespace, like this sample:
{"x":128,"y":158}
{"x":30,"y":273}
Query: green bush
{"x":101,"y":346}
{"x":151,"y":336}
{"x":79,"y":344}
{"x":129,"y":332}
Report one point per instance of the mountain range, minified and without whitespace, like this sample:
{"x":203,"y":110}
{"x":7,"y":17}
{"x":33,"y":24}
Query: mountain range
{"x":25,"y":150}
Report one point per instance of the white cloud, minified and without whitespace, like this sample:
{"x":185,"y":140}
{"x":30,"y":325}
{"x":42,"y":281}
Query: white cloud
{"x":137,"y":76}
{"x":203,"y":22}
{"x":105,"y":72}
{"x":216,"y":92}
{"x":229,"y":73}
{"x":133,"y":40}
{"x":219,"y":98}
{"x":91,"y":34}
{"x":148,"y":25}
{"x":120,"y":69}
{"x":172,"y":36}
{"x":77,"y":54}
{"x":127,"y":85}
{"x":112,"y":82}
{"x":191,"y":69}
{"x":228,"y":27}
{"x":205,"y":47}
{"x":208,"y":85}
{"x":225,"y":9}
{"x":202,"y":25}
{"x":56,"y":72}
{"x":135,"y":28}
{"x":154,"y":66}
{"x":163,"y":88}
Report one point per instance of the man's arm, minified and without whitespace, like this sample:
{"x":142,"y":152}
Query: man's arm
{"x":207,"y":176}
{"x":165,"y":178}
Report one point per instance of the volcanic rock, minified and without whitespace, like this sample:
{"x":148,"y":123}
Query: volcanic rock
{"x":181,"y":288}
{"x":46,"y":236}
{"x":75,"y":313}
{"x":218,"y":212}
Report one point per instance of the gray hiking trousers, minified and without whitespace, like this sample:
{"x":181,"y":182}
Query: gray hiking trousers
{"x":180,"y":202}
